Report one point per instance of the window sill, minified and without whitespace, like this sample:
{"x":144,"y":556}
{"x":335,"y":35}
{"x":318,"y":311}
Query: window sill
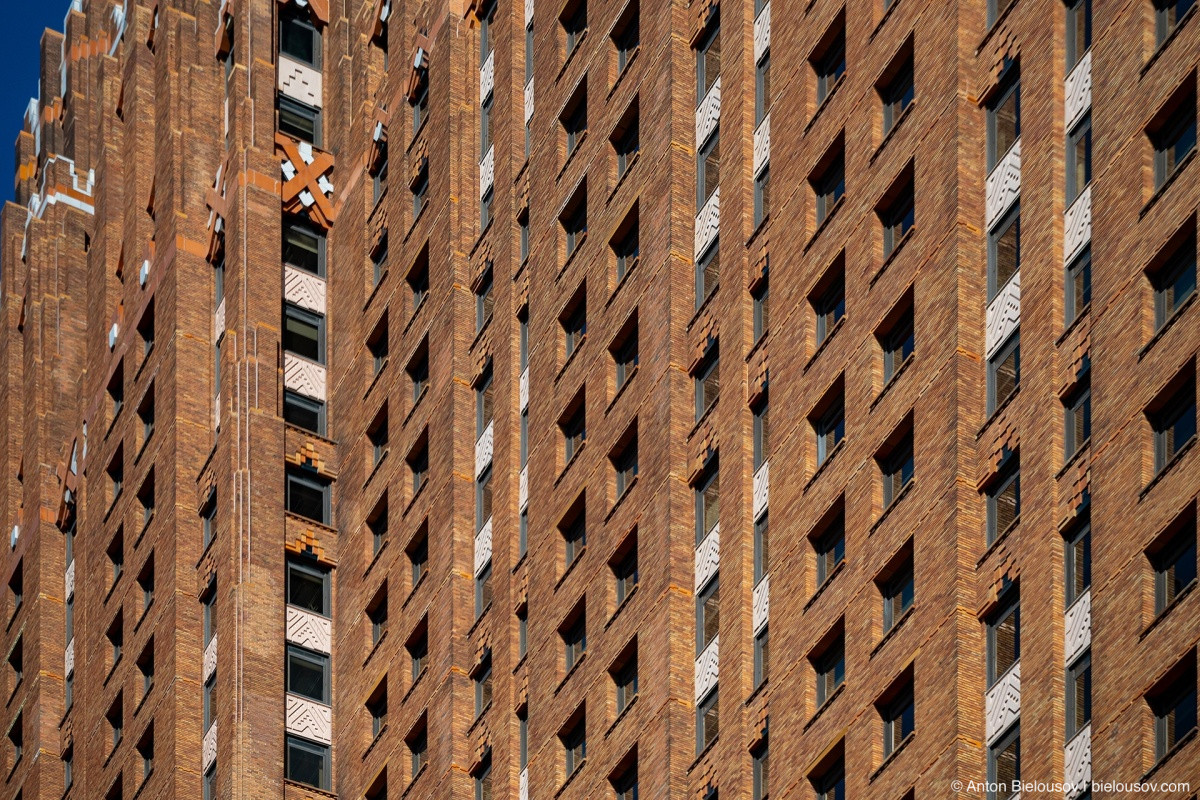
{"x":412,"y":501}
{"x":376,"y":377}
{"x":628,"y":65}
{"x":413,"y":781}
{"x":891,"y":632}
{"x":570,"y":462}
{"x":375,"y":648}
{"x":837,"y":326}
{"x":376,"y":468}
{"x":825,"y":102}
{"x":837,"y":448}
{"x":621,"y":606}
{"x":1175,"y":459}
{"x":892,"y":756}
{"x":904,"y":492}
{"x":416,"y":404}
{"x":300,"y":788}
{"x":479,"y":718}
{"x":825,"y":223}
{"x":824,"y":706}
{"x":896,"y":123}
{"x":995,"y":26}
{"x":1183,"y":742}
{"x":622,"y":715}
{"x":571,"y":54}
{"x":837,"y":570}
{"x":624,"y":175}
{"x":574,"y":668}
{"x":583,"y":762}
{"x":1168,"y":608}
{"x":621,"y":391}
{"x":621,"y":498}
{"x":1073,"y":324}
{"x":574,"y":254}
{"x":415,"y":683}
{"x":571,"y":155}
{"x":378,"y":737}
{"x":1002,"y":537}
{"x":703,"y":417}
{"x":1168,"y":183}
{"x":761,"y":688}
{"x":995,"y":415}
{"x":1170,"y":321}
{"x":376,"y":557}
{"x":886,"y":16}
{"x":416,"y":313}
{"x":704,"y":752}
{"x":759,"y":344}
{"x":571,"y":358}
{"x":487,"y":322}
{"x":708,"y":298}
{"x":570,"y":567}
{"x":893,"y":256}
{"x":479,"y":618}
{"x":1158,"y":51}
{"x":1074,"y":457}
{"x":887,"y":387}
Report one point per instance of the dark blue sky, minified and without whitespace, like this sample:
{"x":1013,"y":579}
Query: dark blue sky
{"x":23,"y":25}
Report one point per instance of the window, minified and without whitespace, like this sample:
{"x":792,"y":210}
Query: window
{"x":299,"y":120}
{"x":708,"y":501}
{"x":574,"y":23}
{"x":897,"y":344}
{"x":829,"y":63}
{"x":304,"y":412}
{"x":420,"y":100}
{"x":708,"y":273}
{"x":116,"y":555}
{"x":209,"y":602}
{"x":307,"y":495}
{"x":1079,"y":159}
{"x":574,"y":740}
{"x":574,"y":429}
{"x":829,"y":183}
{"x":625,"y":464}
{"x":418,"y":555}
{"x":210,"y":693}
{"x":116,"y":638}
{"x":379,"y":175}
{"x":308,"y":674}
{"x":307,"y":762}
{"x":896,"y":466}
{"x":1004,"y":251}
{"x":485,"y":300}
{"x":377,"y":346}
{"x":1004,"y":373}
{"x":420,"y":192}
{"x":303,"y":246}
{"x":146,"y":499}
{"x":829,"y":302}
{"x":708,"y":169}
{"x":625,"y":140}
{"x":625,"y":571}
{"x":68,"y":758}
{"x":1003,"y":636}
{"x":1174,"y":565}
{"x":626,"y":36}
{"x":16,"y":661}
{"x":484,"y":402}
{"x":762,"y":561}
{"x":418,"y":748}
{"x":708,"y":58}
{"x":760,"y":770}
{"x":1174,"y":281}
{"x":574,"y":322}
{"x":486,"y":14}
{"x":1004,"y":499}
{"x":116,"y":475}
{"x":762,"y":196}
{"x":1004,"y":117}
{"x":830,"y":783}
{"x":761,"y":297}
{"x":830,"y":546}
{"x":574,"y":119}
{"x":625,"y":353}
{"x":485,"y":209}
{"x":1079,"y":31}
{"x":483,"y":498}
{"x":1167,"y":16}
{"x":1077,"y":570}
{"x":761,"y":656}
{"x":625,"y":783}
{"x":298,"y":37}
{"x":308,"y":588}
{"x":483,"y":684}
{"x":574,"y":221}
{"x":418,"y":464}
{"x":377,"y":435}
{"x":483,"y":779}
{"x":762,"y":88}
{"x":210,"y":782}
{"x":1174,"y":424}
{"x":899,"y":720}
{"x":830,"y":426}
{"x":145,"y":329}
{"x":574,"y":533}
{"x":377,"y":614}
{"x":418,"y":651}
{"x":707,"y":720}
{"x":897,"y":590}
{"x":762,"y":432}
{"x":1077,"y":413}
{"x":1078,"y":292}
{"x":1173,"y":136}
{"x":830,"y":667}
{"x":116,"y":389}
{"x":574,"y":637}
{"x":523,"y":221}
{"x":485,"y":126}
{"x":1079,"y":695}
{"x":483,"y":590}
{"x":1173,"y":703}
{"x":522,"y":631}
{"x":304,"y":333}
{"x":145,"y":748}
{"x":625,"y":678}
{"x":896,"y":92}
{"x":146,"y":415}
{"x":708,"y":614}
{"x":146,"y":583}
{"x":897,"y":214}
{"x":377,"y":707}
{"x":1004,"y":765}
{"x":707,"y":381}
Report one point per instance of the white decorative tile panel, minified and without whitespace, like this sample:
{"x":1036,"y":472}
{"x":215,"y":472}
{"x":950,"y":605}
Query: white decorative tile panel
{"x":762,"y":32}
{"x":762,"y":145}
{"x":1077,"y":635}
{"x":708,"y":113}
{"x":304,"y":289}
{"x":528,"y":13}
{"x":69,"y":657}
{"x":1003,"y":314}
{"x":483,"y":546}
{"x":209,"y":749}
{"x":308,"y":629}
{"x":210,"y":658}
{"x":523,"y":785}
{"x":1004,"y":185}
{"x":523,"y":491}
{"x":299,"y":81}
{"x":219,"y":321}
{"x":706,"y":669}
{"x":762,"y":485}
{"x":708,"y":557}
{"x":1077,"y":226}
{"x":483,"y":449}
{"x":528,"y":101}
{"x":487,"y":76}
{"x":525,"y":388}
{"x":309,"y":719}
{"x":1078,"y":91}
{"x":487,"y":171}
{"x":762,"y":603}
{"x":1077,"y":763}
{"x":304,"y":376}
{"x":69,"y":580}
{"x":1003,"y":703}
{"x":708,"y":223}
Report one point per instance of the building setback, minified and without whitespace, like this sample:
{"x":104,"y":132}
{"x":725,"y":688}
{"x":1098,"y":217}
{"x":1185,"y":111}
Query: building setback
{"x":456,"y":483}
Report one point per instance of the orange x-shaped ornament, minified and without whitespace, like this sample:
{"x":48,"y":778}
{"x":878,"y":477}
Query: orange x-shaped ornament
{"x":306,"y":188}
